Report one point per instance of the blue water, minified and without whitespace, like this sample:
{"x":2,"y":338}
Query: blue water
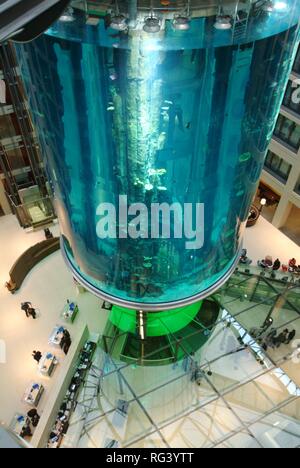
{"x":163,"y":121}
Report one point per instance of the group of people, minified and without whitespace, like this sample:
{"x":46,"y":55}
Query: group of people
{"x":274,"y":340}
{"x":293,"y":267}
{"x":267,"y":263}
{"x":64,"y":344}
{"x":29,"y":310}
{"x":269,"y":337}
{"x":33,"y":419}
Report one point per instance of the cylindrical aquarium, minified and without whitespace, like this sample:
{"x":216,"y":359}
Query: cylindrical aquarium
{"x":149,"y":111}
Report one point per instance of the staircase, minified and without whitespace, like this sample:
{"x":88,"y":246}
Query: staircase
{"x":241,"y":21}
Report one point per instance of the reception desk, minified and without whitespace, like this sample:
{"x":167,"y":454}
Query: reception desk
{"x":56,"y":336}
{"x":70,"y":312}
{"x":47,"y":364}
{"x":33,"y":394}
{"x":19,"y":423}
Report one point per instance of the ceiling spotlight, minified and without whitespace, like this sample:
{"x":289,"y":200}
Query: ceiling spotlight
{"x":67,"y":16}
{"x":223,"y":23}
{"x":280,"y":6}
{"x":119,"y":23}
{"x":181,"y":23}
{"x":152,"y":25}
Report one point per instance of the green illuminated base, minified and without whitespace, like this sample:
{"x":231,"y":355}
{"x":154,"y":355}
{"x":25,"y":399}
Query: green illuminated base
{"x":158,"y":323}
{"x":170,"y":335}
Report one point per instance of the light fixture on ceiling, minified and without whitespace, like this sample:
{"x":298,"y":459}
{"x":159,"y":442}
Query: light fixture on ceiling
{"x":118,"y":21}
{"x":67,"y":16}
{"x":182,"y":21}
{"x":152,"y":22}
{"x":263,"y":201}
{"x":280,"y":6}
{"x":223,"y":22}
{"x":152,"y":25}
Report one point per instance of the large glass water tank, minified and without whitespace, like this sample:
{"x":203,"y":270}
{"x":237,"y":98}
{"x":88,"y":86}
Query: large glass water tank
{"x":139,"y":104}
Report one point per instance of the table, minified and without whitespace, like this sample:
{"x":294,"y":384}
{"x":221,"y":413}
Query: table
{"x":70,"y":312}
{"x":47,"y":364}
{"x":33,"y":394}
{"x":56,"y":336}
{"x":19,"y":422}
{"x":55,"y":442}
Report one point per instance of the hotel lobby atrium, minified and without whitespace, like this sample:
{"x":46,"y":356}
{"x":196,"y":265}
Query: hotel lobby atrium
{"x":149,"y":225}
{"x":247,"y":397}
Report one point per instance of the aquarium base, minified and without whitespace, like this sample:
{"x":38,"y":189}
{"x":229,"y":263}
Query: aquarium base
{"x":147,"y":307}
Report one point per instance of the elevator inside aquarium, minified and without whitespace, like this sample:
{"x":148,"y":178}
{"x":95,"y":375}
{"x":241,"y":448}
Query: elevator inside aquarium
{"x":154,"y":119}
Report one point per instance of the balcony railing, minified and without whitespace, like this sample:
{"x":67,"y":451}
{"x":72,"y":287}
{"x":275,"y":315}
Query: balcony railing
{"x":34,"y":213}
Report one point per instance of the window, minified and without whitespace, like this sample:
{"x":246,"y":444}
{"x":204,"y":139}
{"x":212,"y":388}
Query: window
{"x":289,"y":132}
{"x":291,"y":98}
{"x":16,"y":159}
{"x":277,"y":167}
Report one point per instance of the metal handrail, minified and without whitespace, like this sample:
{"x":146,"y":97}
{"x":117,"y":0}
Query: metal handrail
{"x":156,"y":6}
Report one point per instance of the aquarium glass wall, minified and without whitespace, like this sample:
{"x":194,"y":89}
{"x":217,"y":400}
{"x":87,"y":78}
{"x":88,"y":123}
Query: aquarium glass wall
{"x":172,"y":117}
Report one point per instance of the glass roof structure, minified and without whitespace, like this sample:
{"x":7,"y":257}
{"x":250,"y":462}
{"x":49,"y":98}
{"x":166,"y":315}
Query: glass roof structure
{"x":241,"y":395}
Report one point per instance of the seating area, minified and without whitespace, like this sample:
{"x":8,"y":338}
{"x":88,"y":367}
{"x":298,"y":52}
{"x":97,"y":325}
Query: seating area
{"x":276,"y":266}
{"x":268,"y":264}
{"x":253,"y":216}
{"x":28,"y":260}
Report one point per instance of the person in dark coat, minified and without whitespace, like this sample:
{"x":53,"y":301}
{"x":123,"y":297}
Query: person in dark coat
{"x":26,"y":306}
{"x":37,"y":356}
{"x":291,"y":336}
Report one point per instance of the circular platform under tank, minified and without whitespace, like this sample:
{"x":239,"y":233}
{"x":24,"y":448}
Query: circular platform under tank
{"x":178,"y":121}
{"x":159,"y":338}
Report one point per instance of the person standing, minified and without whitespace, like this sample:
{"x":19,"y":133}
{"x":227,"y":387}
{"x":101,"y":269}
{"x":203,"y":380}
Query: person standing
{"x":290,"y":337}
{"x":28,"y":309}
{"x":37,"y":356}
{"x":26,"y":306}
{"x":282,"y":338}
{"x":32,"y":313}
